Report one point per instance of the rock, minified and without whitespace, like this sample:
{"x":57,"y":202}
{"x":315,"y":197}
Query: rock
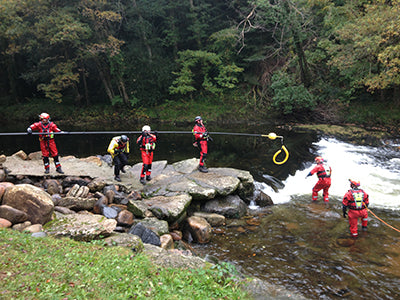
{"x":109,"y":212}
{"x":231,"y":207}
{"x":97,"y":184}
{"x":36,"y":203}
{"x":82,"y":192}
{"x":3,"y":158}
{"x":263,"y":200}
{"x":39,"y":234}
{"x":34,"y":228}
{"x":92,"y":159}
{"x":138,"y":208}
{"x":197,"y":191}
{"x":64,"y":210}
{"x":100,"y":204}
{"x":167,"y":241}
{"x":12,"y":214}
{"x":200,"y":229}
{"x":35,"y":155}
{"x":212,"y":219}
{"x":125,"y":218}
{"x":3,"y":175}
{"x":186,"y":166}
{"x":168,"y":208}
{"x":52,"y":186}
{"x":146,"y":235}
{"x":110,"y":194}
{"x":77,"y":203}
{"x":176,"y":235}
{"x":72,"y":180}
{"x":21,"y":154}
{"x":73,"y":190}
{"x":3,"y":187}
{"x":21,"y":226}
{"x":158,"y":226}
{"x":223,"y":185}
{"x":125,"y":240}
{"x":81,"y":227}
{"x":4,"y":223}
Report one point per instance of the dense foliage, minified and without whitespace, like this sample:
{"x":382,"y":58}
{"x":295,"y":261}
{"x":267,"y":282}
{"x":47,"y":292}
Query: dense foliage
{"x":288,"y":55}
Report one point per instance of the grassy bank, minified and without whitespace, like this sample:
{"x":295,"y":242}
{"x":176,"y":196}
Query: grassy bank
{"x":48,"y":268}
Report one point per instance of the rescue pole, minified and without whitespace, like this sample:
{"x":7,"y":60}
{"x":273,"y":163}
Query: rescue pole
{"x":271,"y":136}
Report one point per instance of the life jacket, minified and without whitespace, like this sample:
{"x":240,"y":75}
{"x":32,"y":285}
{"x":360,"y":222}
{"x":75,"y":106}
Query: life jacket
{"x":46,"y":130}
{"x":325,"y":172}
{"x":358,"y":200}
{"x":147,"y":143}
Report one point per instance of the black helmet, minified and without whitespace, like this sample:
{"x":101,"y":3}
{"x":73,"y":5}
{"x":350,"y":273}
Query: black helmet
{"x":124,"y":138}
{"x":198,"y":118}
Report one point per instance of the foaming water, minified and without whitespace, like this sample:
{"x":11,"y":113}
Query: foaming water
{"x":377,"y":168}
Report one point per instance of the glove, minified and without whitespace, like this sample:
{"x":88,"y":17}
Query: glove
{"x":117,"y":151}
{"x":29,"y":130}
{"x":344,"y":211}
{"x":205,"y":135}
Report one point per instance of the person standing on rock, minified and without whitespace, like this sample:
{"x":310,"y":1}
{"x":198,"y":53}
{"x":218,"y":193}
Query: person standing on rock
{"x":357,"y":201}
{"x":119,"y":150}
{"x":324,"y":179}
{"x":147,"y":144}
{"x":201,"y":141}
{"x":47,"y":143}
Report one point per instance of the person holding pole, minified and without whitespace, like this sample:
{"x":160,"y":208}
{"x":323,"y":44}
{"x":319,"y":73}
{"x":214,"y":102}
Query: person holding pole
{"x":119,"y":150}
{"x":201,"y":141}
{"x":323,"y":172}
{"x":147,"y":144}
{"x":46,"y":139}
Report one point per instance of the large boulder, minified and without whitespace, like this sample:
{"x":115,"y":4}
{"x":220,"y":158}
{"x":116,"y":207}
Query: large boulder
{"x":231,"y":207}
{"x":76,"y":203}
{"x":223,"y":185}
{"x":200,"y":229}
{"x":168,"y":208}
{"x":12,"y":214}
{"x":146,"y":235}
{"x":35,"y":202}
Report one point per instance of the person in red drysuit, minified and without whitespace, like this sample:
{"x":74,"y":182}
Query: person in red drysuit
{"x":324,"y":179}
{"x":201,"y":141}
{"x":47,"y":143}
{"x":357,"y":201}
{"x":147,"y":144}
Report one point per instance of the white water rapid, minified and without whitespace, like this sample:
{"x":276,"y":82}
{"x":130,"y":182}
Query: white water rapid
{"x":377,"y":168}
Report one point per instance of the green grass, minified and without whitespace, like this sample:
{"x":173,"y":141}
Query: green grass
{"x":49,"y":268}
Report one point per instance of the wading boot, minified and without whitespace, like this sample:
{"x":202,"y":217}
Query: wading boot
{"x":59,"y":170}
{"x":142,"y":180}
{"x":117,"y":178}
{"x":47,"y":171}
{"x":364,"y":228}
{"x":203,"y":169}
{"x":148,"y":177}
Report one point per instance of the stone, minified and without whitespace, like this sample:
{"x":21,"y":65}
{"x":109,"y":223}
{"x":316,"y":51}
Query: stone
{"x":52,"y":186}
{"x":167,"y":241}
{"x":125,"y":218}
{"x":97,"y":184}
{"x":168,"y":208}
{"x":73,"y":190}
{"x":231,"y":207}
{"x":125,"y":240}
{"x":212,"y":219}
{"x":77,"y":203}
{"x":12,"y":214}
{"x":34,"y":228}
{"x":21,"y":226}
{"x":200,"y":229}
{"x":110,"y":212}
{"x":4,"y":223}
{"x":36,"y":203}
{"x":146,"y":235}
{"x":21,"y":154}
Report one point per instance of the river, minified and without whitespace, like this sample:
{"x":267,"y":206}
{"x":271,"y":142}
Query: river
{"x":296,"y":244}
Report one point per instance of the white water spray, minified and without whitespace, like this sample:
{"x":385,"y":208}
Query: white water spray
{"x":376,"y":168}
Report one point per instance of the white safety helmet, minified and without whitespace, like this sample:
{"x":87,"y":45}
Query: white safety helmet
{"x":146,"y":128}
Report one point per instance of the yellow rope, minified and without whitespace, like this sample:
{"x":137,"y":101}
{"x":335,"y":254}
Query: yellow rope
{"x":383,"y":221}
{"x":278,"y":152}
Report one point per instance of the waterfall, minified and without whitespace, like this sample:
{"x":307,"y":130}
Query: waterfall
{"x":377,"y":169}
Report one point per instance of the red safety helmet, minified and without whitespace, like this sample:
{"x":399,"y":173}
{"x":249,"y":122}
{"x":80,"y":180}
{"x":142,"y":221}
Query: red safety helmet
{"x":354,"y":183}
{"x":44,"y":116}
{"x":319,"y":160}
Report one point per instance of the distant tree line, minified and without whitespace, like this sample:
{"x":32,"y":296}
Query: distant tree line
{"x":287,"y":54}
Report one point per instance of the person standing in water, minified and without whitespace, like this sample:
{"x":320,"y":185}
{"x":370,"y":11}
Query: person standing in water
{"x":323,"y":172}
{"x":357,"y":201}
